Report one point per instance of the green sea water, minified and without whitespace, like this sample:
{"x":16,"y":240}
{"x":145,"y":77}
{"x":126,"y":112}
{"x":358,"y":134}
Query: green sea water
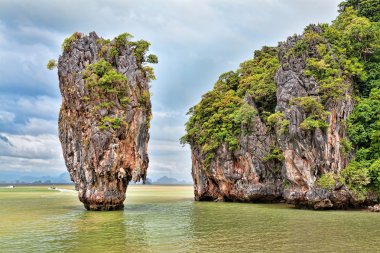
{"x":166,"y":219}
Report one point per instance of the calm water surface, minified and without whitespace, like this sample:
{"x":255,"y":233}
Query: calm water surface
{"x":166,"y":219}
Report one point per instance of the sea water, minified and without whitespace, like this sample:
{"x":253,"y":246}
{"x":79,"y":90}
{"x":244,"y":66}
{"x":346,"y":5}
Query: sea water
{"x":166,"y":219}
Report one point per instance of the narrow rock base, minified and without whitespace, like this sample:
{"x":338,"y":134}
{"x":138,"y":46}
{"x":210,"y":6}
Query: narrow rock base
{"x":95,"y":207}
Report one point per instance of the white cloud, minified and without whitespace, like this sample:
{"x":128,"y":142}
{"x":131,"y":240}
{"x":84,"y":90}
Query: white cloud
{"x":40,"y":105}
{"x":166,"y":131}
{"x":42,"y":147}
{"x":166,"y":114}
{"x":160,"y":146}
{"x":35,"y":126}
{"x":43,"y":35}
{"x":2,"y":31}
{"x":6,"y":116}
{"x":169,"y":158}
{"x":31,"y":165}
{"x":171,"y":165}
{"x":31,"y":154}
{"x":24,"y":52}
{"x":34,"y":107}
{"x":27,"y":60}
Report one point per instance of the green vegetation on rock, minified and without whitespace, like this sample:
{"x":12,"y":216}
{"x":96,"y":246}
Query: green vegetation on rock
{"x":346,"y":146}
{"x":152,"y":59}
{"x":278,"y":121}
{"x":215,"y":120}
{"x":366,"y":8}
{"x":275,"y":155}
{"x":145,"y":97}
{"x":356,"y":177}
{"x":364,"y":132}
{"x":107,"y":122}
{"x":223,"y":113}
{"x":102,"y":74}
{"x":327,"y":181}
{"x":52,"y":64}
{"x":256,"y":78}
{"x":363,"y":127}
{"x":66,"y":45}
{"x":315,"y":111}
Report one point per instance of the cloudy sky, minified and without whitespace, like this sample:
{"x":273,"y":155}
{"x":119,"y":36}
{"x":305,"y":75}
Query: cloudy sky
{"x":195,"y":40}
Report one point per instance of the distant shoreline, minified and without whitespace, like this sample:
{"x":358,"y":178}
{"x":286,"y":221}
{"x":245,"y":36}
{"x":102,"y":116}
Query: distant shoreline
{"x":50,"y":184}
{"x":31,"y":184}
{"x":164,"y":184}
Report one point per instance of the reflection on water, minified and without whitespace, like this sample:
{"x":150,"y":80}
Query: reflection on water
{"x":165,"y":219}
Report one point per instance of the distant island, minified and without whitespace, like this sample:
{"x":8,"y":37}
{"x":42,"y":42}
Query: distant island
{"x":169,"y":180}
{"x":64,"y":178}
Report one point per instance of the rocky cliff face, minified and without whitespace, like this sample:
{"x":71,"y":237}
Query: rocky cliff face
{"x":240,"y":175}
{"x":104,"y":117}
{"x":308,"y":154}
{"x":297,"y":153}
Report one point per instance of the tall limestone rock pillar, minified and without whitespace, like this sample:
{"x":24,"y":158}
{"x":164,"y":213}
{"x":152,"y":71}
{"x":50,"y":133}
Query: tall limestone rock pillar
{"x":104,"y":116}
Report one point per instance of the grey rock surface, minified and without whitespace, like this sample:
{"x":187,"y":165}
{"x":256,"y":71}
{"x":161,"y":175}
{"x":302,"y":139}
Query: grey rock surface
{"x":310,"y":153}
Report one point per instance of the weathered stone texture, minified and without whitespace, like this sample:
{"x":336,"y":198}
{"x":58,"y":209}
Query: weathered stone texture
{"x":310,"y":153}
{"x":101,"y":162}
{"x":241,"y":175}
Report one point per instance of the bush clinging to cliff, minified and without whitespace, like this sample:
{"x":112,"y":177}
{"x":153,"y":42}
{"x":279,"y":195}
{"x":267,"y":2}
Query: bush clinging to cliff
{"x":66,"y":45}
{"x":51,"y":64}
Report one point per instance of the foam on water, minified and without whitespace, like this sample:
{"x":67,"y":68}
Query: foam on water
{"x":61,"y":190}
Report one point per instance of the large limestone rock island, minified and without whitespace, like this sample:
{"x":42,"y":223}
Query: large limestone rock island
{"x":299,"y":123}
{"x":104,"y":116}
